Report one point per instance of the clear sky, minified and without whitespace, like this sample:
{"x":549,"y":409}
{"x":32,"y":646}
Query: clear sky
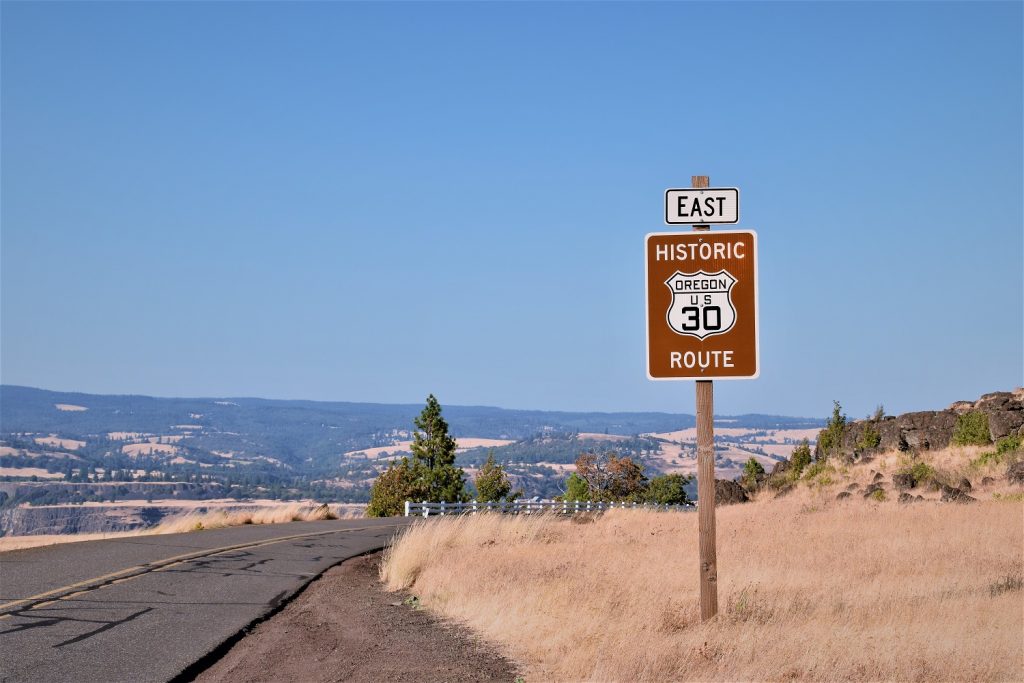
{"x":371,"y":202}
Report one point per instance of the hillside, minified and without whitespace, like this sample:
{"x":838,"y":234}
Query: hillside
{"x":71,"y":448}
{"x":894,"y":555}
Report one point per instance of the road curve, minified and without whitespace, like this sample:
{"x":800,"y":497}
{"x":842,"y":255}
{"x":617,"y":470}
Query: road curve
{"x":146,"y":608}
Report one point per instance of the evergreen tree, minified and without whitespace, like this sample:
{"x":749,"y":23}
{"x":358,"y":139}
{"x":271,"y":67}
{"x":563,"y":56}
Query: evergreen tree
{"x":431,"y":475}
{"x":576,"y":488}
{"x":492,"y":483}
{"x":753,"y":474}
{"x":433,"y":456}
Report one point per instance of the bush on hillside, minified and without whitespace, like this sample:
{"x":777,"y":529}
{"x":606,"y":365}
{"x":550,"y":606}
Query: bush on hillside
{"x":611,"y":478}
{"x":869,"y":438}
{"x":1007,"y":448}
{"x":971,"y":429}
{"x":397,"y":484}
{"x":919,"y":473}
{"x":667,"y":489}
{"x":575,"y":489}
{"x":830,"y":441}
{"x":492,"y":483}
{"x":753,"y":475}
{"x":801,"y":457}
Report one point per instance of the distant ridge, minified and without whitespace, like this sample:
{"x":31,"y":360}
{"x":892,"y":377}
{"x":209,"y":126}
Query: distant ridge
{"x":32,"y":409}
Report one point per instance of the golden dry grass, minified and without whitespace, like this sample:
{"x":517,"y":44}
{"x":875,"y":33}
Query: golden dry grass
{"x":200,"y":521}
{"x":217,"y":519}
{"x":834,"y":591}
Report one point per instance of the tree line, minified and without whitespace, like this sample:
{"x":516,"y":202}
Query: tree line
{"x":432,"y":476}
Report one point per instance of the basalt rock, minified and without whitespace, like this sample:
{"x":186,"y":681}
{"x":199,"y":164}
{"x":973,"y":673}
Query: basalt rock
{"x":872,"y":489}
{"x":930,"y":429}
{"x":955,"y":495}
{"x":729,"y":492}
{"x":903,"y":481}
{"x":1015,"y":473}
{"x":843,"y":495}
{"x":965,"y":484}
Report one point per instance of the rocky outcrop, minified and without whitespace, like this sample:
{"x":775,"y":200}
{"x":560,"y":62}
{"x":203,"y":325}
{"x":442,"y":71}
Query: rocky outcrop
{"x":1015,"y":473}
{"x":933,"y":429}
{"x":26,"y":520}
{"x":78,"y":519}
{"x":903,"y":481}
{"x":729,"y":492}
{"x":952,"y":494}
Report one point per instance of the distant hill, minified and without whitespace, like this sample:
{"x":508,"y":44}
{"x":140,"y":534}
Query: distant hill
{"x":278,"y":448}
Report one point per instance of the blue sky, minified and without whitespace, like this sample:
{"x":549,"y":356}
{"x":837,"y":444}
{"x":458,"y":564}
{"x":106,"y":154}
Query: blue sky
{"x":372,"y":202}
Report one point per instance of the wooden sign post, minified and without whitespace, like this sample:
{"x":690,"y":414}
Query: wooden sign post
{"x":702,"y":325}
{"x":706,"y":478}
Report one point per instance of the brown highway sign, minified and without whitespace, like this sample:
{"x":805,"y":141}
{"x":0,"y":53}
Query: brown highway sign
{"x":702,"y":305}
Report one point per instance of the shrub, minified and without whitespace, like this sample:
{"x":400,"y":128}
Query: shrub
{"x":971,"y":429}
{"x":753,"y":473}
{"x":576,"y":488}
{"x":492,"y":483}
{"x":869,"y":438}
{"x":1009,"y":444}
{"x":819,"y":473}
{"x":878,"y":495}
{"x":831,"y":439}
{"x":397,"y":484}
{"x":611,"y":478}
{"x":667,"y":489}
{"x":801,"y":457}
{"x":921,"y":472}
{"x":1006,"y":449}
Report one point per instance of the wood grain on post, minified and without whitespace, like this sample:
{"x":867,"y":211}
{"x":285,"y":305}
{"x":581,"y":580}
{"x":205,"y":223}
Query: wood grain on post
{"x":706,"y":479}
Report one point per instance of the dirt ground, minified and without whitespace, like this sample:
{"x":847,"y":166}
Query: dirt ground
{"x":344,"y":627}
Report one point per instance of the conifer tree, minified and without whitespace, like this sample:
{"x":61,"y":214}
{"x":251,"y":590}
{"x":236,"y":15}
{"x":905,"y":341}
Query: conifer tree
{"x":492,"y":483}
{"x":433,"y":457}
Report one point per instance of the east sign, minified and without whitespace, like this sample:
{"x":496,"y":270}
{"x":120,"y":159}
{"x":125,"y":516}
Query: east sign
{"x":702,"y":206}
{"x":702,"y":305}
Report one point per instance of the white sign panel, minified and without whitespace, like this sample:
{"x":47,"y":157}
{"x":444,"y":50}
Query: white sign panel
{"x":702,"y":206}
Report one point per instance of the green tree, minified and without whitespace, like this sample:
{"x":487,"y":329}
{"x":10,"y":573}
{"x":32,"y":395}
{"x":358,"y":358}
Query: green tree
{"x":831,"y":439}
{"x":801,"y":457}
{"x":433,"y":456}
{"x":667,"y":489}
{"x":397,"y":484}
{"x":492,"y":483}
{"x":576,"y":488}
{"x":753,"y":473}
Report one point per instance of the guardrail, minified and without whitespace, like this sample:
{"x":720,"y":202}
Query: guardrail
{"x":425,"y":509}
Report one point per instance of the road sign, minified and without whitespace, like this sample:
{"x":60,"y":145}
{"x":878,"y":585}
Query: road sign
{"x":702,"y":305}
{"x":702,"y":206}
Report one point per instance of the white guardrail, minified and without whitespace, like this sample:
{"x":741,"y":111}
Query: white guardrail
{"x":526,"y":507}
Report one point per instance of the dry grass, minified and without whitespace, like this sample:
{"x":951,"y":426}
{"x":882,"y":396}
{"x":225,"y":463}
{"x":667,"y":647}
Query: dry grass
{"x":808,"y":590}
{"x":217,"y":519}
{"x":200,"y":521}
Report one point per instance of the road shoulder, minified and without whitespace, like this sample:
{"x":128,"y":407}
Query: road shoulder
{"x":344,"y":626}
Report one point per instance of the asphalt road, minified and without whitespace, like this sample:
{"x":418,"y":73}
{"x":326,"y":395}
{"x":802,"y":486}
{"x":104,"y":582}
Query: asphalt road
{"x":147,"y":608}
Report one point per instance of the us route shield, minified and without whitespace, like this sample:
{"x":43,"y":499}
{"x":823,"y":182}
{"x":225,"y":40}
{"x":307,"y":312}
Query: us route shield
{"x":701,"y":305}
